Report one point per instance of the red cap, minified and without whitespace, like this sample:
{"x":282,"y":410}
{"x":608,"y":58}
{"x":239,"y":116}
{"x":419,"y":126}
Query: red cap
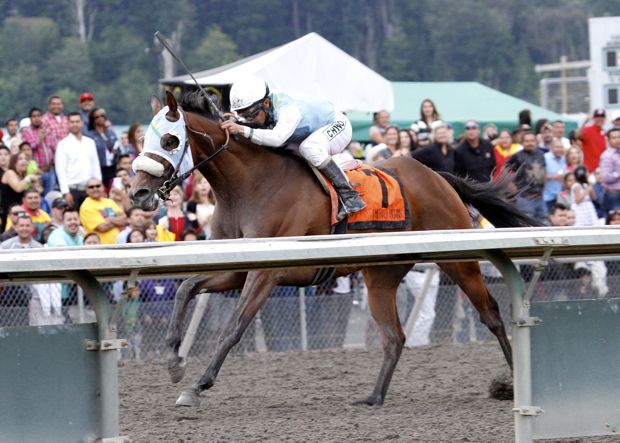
{"x":86,"y":96}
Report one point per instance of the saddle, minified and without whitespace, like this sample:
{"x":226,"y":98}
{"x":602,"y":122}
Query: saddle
{"x":386,"y":205}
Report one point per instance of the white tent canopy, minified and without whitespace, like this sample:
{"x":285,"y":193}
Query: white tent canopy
{"x":309,"y":65}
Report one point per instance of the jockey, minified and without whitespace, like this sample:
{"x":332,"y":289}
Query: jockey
{"x":307,"y":125}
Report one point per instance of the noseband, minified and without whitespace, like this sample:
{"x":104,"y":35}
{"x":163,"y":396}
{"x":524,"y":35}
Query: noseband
{"x":164,"y":191}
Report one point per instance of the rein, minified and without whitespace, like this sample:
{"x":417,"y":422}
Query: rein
{"x":176,"y":179}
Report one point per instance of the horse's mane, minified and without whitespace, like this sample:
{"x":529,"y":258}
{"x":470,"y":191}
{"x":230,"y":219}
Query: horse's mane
{"x":196,"y":102}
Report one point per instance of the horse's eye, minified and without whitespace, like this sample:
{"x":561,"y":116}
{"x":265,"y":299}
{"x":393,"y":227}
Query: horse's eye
{"x":170,"y":143}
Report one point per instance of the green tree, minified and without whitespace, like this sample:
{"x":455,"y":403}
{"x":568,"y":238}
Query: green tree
{"x":216,"y":49}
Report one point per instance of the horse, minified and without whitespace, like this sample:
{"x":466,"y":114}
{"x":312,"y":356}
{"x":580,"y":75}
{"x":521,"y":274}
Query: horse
{"x":261,"y":192}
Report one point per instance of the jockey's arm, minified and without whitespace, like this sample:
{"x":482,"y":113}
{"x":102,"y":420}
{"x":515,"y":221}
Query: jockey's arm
{"x":288,"y":120}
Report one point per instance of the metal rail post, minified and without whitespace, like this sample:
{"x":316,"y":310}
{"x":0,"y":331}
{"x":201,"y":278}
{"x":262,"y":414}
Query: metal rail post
{"x":522,"y":366}
{"x":107,"y":348}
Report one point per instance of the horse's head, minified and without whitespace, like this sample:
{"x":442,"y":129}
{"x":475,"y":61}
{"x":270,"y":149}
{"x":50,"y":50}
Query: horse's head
{"x":164,"y":153}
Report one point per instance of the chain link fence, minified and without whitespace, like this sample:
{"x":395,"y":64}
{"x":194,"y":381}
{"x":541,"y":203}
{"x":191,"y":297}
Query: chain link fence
{"x":333,"y":315}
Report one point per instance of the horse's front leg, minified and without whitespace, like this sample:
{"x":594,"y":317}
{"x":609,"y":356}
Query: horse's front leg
{"x":257,"y":288}
{"x":185,"y":293}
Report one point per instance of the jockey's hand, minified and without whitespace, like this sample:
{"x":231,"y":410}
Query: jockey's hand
{"x":232,"y":127}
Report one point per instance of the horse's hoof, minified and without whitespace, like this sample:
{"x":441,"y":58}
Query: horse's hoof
{"x":370,"y":401}
{"x":188,"y":398}
{"x":177,"y":370}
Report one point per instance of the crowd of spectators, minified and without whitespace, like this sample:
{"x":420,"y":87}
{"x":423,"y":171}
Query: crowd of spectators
{"x":580,"y":170}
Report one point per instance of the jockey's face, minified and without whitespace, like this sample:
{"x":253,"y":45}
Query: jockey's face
{"x":256,"y":114}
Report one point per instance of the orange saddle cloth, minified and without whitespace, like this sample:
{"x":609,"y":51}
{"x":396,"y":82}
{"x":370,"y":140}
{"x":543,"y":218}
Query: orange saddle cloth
{"x":386,"y":204}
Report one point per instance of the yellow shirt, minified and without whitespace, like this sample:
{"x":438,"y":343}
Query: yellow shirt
{"x":95,"y":212}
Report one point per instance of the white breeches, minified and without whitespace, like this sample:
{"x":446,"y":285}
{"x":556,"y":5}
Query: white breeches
{"x":326,"y":141}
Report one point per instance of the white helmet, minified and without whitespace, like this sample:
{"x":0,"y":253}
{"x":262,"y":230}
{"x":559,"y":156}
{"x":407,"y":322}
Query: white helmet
{"x":247,"y":91}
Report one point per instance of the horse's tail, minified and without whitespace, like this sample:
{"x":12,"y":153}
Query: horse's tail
{"x":491,"y":199}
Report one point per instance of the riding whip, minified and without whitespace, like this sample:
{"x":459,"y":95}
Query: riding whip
{"x":168,"y":47}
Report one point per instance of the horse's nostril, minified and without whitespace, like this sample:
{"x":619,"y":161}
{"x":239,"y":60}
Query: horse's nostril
{"x":141,"y":194}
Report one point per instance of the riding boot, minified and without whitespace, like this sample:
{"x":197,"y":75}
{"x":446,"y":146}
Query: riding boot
{"x":350,"y":198}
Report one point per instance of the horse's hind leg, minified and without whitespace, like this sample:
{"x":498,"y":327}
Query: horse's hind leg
{"x":382,"y":283}
{"x":257,"y":288}
{"x":185,"y":293}
{"x":468,"y":277}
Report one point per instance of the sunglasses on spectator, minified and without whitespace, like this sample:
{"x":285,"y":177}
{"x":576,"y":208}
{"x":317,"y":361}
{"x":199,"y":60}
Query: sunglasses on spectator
{"x":99,"y":115}
{"x":613,"y":212}
{"x":471,"y":126}
{"x":93,"y":186}
{"x":18,"y":213}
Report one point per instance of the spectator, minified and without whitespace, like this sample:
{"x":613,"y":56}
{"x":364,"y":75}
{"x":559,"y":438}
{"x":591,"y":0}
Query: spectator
{"x":100,"y":214}
{"x":504,"y":149}
{"x":574,"y":158}
{"x":55,"y":120}
{"x":490,"y":133}
{"x":5,"y":160}
{"x":570,"y":217}
{"x":610,"y":171}
{"x":14,"y":212}
{"x":76,"y":162}
{"x":43,"y":142}
{"x":593,"y":140}
{"x":429,"y":118}
{"x":202,"y":204}
{"x":599,"y":190}
{"x":558,"y":215}
{"x":439,"y":156}
{"x":613,"y":217}
{"x":538,"y":128}
{"x":474,"y":157}
{"x":555,"y":164}
{"x":122,"y":180}
{"x":423,"y":139}
{"x":135,"y":136}
{"x":559,"y":127}
{"x":135,"y":220}
{"x":406,"y":142}
{"x":581,"y":197}
{"x":381,"y":122}
{"x":123,"y":161}
{"x":33,"y":167}
{"x":189,"y":235}
{"x":119,"y":194}
{"x":105,"y":140}
{"x":12,"y":125}
{"x":59,"y":206}
{"x":173,"y":218}
{"x":136,"y":236}
{"x":14,"y":182}
{"x":545,"y":138}
{"x":150,"y":232}
{"x":31,"y":202}
{"x":391,"y":138}
{"x":69,"y":233}
{"x":529,"y":165}
{"x":92,"y":239}
{"x":24,"y":239}
{"x":87,"y":104}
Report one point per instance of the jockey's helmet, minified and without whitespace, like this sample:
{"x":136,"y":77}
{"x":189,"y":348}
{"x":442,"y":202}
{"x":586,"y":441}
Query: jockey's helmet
{"x":247,"y":91}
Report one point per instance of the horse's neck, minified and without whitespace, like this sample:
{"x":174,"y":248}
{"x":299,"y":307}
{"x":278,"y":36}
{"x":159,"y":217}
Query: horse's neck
{"x":236,"y":173}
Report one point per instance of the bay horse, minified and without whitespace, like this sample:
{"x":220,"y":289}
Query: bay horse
{"x":260,"y":192}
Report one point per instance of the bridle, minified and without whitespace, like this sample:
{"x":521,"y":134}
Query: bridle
{"x":175,"y":179}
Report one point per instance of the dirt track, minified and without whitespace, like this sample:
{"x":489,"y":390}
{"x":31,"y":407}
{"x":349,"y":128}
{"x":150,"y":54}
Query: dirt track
{"x":438,"y":394}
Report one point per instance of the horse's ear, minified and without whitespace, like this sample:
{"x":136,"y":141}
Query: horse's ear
{"x":173,"y":113}
{"x":155,"y":105}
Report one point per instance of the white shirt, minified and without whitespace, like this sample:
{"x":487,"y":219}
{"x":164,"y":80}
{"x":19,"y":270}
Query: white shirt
{"x":8,"y":140}
{"x":76,"y":161}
